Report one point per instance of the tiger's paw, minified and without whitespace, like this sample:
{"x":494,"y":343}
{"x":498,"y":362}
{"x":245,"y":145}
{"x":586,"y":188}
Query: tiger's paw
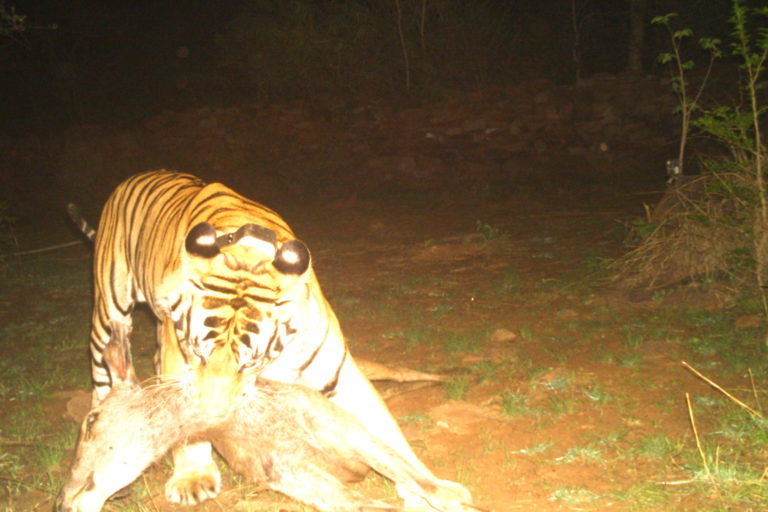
{"x":191,"y":488}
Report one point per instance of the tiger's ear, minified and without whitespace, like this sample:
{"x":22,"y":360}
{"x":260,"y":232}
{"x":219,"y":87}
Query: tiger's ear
{"x":292,"y":258}
{"x":117,"y":357}
{"x":201,"y":241}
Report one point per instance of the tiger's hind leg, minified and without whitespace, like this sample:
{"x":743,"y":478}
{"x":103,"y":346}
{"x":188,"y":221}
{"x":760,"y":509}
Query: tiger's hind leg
{"x":195,"y":475}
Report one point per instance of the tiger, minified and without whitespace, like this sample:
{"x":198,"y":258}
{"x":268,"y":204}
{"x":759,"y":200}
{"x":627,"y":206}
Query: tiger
{"x":232,"y":289}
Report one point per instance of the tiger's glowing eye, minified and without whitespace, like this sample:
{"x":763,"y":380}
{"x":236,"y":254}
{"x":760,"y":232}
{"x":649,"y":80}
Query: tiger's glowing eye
{"x":201,"y":241}
{"x":205,"y":240}
{"x":292,"y":258}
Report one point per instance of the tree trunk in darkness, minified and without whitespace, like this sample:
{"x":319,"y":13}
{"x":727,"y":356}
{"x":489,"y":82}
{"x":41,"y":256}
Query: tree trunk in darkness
{"x":637,"y":10}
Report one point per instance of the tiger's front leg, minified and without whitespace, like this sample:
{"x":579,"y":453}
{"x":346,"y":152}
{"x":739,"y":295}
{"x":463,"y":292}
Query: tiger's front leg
{"x":195,"y":475}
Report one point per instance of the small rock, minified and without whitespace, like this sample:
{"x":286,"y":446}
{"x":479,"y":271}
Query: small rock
{"x":502,"y":336}
{"x":78,"y":405}
{"x":568,"y":314}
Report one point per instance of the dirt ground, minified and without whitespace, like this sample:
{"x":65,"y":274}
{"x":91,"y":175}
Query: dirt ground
{"x":555,"y":378}
{"x":562,"y":392}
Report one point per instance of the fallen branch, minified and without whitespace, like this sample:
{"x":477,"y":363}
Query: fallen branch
{"x":750,"y":410}
{"x":49,"y":248}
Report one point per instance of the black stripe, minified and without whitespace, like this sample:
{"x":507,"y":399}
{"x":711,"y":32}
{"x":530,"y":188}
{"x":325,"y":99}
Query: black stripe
{"x":271,"y":341}
{"x":252,"y":327}
{"x":170,"y":211}
{"x":259,"y":298}
{"x":95,"y":344}
{"x":331,"y":386}
{"x":316,"y":351}
{"x":154,"y":192}
{"x":214,"y":302}
{"x":141,"y":193}
{"x":220,"y":289}
{"x":112,"y":290}
{"x":204,"y":203}
{"x":263,"y":212}
{"x":188,"y":327}
{"x":176,"y":304}
{"x":214,"y":321}
{"x":250,"y":284}
{"x":226,"y":278}
{"x":103,"y":317}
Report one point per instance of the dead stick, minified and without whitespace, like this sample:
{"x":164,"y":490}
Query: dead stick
{"x":49,"y":248}
{"x":715,"y":385}
{"x":754,"y":390}
{"x":698,"y":441}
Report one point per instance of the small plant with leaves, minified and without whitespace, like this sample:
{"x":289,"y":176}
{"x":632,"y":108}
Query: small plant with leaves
{"x":688,"y":100}
{"x":740,"y":130}
{"x":514,"y":404}
{"x":713,"y":230}
{"x":489,"y":232}
{"x":456,"y":388}
{"x":10,"y":21}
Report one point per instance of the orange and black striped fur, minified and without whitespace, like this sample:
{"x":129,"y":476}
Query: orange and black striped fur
{"x":232,"y":288}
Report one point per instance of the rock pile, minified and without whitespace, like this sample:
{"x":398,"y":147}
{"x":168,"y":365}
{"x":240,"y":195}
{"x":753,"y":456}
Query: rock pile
{"x":535,"y":132}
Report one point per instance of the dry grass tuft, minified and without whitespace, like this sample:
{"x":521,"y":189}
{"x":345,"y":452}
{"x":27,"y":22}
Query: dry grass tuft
{"x":694,"y":233}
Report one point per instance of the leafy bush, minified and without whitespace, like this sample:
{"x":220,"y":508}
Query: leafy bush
{"x":715,"y":226}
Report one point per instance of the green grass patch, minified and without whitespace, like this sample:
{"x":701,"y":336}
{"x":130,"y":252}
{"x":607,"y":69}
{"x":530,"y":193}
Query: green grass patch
{"x":658,"y":446}
{"x":644,"y":495}
{"x":596,"y":393}
{"x":514,"y":404}
{"x":456,"y":387}
{"x":559,"y":404}
{"x":573,"y":495}
{"x":536,"y":449}
{"x":582,"y":454}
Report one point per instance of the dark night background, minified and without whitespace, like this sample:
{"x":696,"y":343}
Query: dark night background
{"x":90,"y":69}
{"x":119,"y":61}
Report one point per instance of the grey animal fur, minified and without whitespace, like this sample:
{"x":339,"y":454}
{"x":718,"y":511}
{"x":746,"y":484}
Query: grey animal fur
{"x":287,"y":437}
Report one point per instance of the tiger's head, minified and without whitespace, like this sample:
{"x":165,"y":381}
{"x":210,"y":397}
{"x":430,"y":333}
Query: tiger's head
{"x":243,"y":289}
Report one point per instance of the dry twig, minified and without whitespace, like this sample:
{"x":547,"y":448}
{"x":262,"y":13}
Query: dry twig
{"x":754,"y":413}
